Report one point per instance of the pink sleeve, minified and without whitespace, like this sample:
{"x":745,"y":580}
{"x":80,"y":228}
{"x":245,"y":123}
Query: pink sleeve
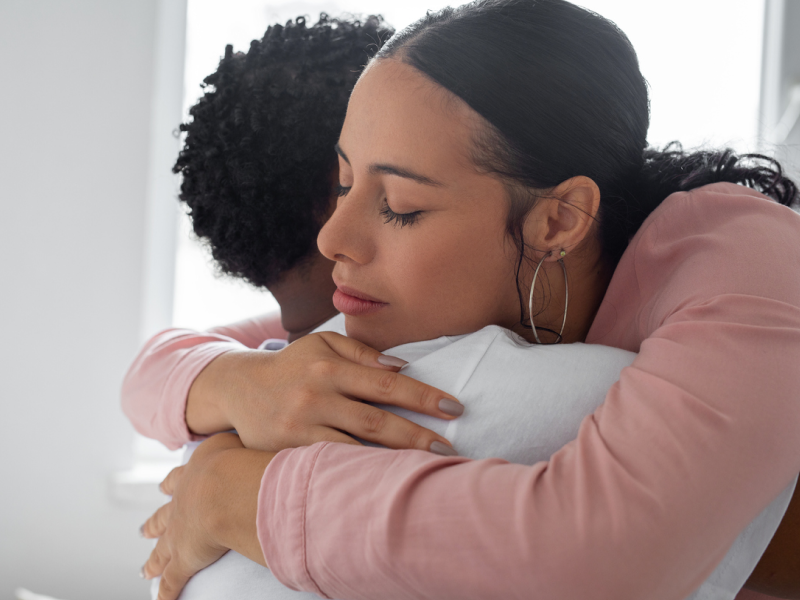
{"x":156,"y":386}
{"x":640,"y":504}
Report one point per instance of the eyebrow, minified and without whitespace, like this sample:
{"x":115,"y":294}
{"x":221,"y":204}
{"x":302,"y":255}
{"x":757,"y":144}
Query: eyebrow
{"x":375,"y":169}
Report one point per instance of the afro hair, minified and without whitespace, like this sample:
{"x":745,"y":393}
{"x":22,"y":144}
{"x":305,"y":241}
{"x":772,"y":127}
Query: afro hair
{"x":258,"y":158}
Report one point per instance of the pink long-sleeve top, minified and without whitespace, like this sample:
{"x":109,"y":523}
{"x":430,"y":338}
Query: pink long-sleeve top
{"x":696,"y":438}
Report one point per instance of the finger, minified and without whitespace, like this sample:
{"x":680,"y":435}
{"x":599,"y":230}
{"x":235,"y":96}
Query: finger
{"x":361,"y":354}
{"x":173,"y":580}
{"x":156,"y":525}
{"x":157,"y":562}
{"x":395,"y":389}
{"x":382,"y":427}
{"x":171,"y":481}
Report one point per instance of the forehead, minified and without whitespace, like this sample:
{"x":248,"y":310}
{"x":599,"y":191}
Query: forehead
{"x":398,"y":115}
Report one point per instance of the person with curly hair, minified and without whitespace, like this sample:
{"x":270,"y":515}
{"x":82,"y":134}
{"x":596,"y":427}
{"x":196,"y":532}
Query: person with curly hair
{"x":258,"y":167}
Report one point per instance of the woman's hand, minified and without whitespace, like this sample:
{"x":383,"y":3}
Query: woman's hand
{"x":213,"y":508}
{"x":311,"y":391}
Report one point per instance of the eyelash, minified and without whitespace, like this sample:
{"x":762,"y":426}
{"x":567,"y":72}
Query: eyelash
{"x":389,"y":216}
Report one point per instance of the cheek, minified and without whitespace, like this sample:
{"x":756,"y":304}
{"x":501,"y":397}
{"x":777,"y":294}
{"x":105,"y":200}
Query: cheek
{"x":461,"y":278}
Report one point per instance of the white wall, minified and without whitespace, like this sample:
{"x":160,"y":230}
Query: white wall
{"x":780,"y":103}
{"x":75,"y":149}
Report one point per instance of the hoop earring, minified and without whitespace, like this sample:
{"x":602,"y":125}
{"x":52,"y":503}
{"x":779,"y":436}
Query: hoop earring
{"x":566,"y":297}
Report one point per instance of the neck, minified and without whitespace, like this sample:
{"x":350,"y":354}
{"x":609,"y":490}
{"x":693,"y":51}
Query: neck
{"x":588,"y":281}
{"x":589,"y":287}
{"x":305,"y":297}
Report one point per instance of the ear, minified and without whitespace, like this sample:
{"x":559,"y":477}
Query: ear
{"x":563,"y":218}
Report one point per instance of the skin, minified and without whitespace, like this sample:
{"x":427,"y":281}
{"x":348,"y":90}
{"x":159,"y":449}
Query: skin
{"x":450,"y":272}
{"x":304,"y":295}
{"x":219,"y":489}
{"x":312,"y":385}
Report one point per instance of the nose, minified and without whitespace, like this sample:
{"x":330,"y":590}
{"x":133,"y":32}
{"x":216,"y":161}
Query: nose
{"x":347,"y":236}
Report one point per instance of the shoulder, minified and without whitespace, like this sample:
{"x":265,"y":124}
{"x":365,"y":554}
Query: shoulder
{"x":500,"y":346}
{"x":739,"y":212}
{"x":722,"y":238}
{"x":719,"y":240}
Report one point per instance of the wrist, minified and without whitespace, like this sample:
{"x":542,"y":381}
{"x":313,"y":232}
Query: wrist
{"x":207,"y":404}
{"x":234,"y":484}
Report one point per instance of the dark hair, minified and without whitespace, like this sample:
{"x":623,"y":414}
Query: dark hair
{"x":563,"y":96}
{"x":258,"y":156}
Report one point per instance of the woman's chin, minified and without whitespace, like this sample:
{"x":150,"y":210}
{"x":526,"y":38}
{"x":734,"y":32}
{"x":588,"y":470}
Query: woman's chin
{"x":373,"y":334}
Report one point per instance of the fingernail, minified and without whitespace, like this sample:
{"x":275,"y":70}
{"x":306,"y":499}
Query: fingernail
{"x":141,"y":531}
{"x":443,"y":449}
{"x":141,"y":573}
{"x":451,"y":407}
{"x":391,"y":361}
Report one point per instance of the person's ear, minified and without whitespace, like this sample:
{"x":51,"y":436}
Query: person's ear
{"x":563,"y":218}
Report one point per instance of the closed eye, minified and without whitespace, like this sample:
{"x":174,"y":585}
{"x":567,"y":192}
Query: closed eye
{"x":389,"y":216}
{"x":401,"y":219}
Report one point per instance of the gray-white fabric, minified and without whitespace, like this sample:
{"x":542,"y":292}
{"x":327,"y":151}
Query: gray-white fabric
{"x":522,"y":403}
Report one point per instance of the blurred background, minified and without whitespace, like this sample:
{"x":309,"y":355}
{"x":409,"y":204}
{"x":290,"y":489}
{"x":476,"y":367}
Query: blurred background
{"x":97,"y":256}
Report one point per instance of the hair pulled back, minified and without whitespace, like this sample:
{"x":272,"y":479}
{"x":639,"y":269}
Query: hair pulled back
{"x":561,"y":90}
{"x":257,"y":161}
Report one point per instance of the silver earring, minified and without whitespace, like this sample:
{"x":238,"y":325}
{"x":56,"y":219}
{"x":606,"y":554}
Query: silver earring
{"x":562,"y":254}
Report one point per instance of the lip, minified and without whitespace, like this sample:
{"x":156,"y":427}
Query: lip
{"x":354,"y":303}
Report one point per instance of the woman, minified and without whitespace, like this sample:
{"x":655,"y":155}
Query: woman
{"x":676,"y":436}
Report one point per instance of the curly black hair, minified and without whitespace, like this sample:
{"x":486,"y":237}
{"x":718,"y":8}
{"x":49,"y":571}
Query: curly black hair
{"x":258,"y":159}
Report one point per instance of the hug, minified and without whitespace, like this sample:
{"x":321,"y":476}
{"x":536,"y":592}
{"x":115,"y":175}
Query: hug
{"x":531,"y":356}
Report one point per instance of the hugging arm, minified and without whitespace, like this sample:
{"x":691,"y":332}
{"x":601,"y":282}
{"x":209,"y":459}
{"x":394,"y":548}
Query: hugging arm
{"x":696,"y":438}
{"x":185,"y":383}
{"x":156,"y":387}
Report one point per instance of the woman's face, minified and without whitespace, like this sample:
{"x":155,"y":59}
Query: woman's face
{"x":418,"y":234}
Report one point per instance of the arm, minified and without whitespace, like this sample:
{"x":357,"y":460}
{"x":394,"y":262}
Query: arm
{"x":157,"y":385}
{"x":185,"y":383}
{"x":640,"y":503}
